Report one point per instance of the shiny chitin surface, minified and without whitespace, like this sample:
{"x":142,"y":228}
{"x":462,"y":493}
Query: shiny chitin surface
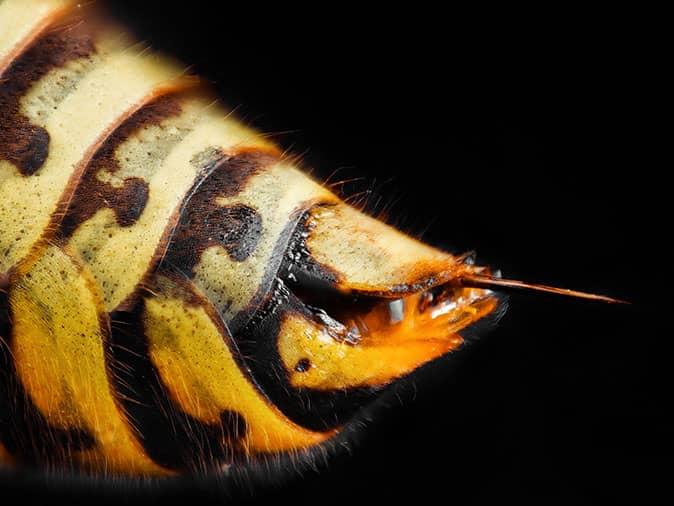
{"x":176,"y":296}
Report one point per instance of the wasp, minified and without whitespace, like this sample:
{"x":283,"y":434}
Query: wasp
{"x":178,"y":296}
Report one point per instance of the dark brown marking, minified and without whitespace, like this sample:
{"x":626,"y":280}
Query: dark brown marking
{"x":22,"y":143}
{"x":303,"y":365}
{"x":204,"y":223}
{"x":128,"y":201}
{"x":236,"y":228}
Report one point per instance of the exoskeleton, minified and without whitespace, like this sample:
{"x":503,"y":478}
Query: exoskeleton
{"x":177,"y":295}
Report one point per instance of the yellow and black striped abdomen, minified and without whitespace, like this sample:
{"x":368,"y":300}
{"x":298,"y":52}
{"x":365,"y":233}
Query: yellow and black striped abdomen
{"x":102,"y":146}
{"x":160,"y":265}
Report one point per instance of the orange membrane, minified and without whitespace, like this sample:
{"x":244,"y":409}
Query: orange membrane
{"x":434,"y":315}
{"x":374,"y":341}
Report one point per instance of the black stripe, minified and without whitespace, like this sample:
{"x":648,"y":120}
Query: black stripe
{"x":171,"y":437}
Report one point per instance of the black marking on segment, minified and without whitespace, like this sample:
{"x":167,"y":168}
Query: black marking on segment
{"x":236,"y":228}
{"x":204,"y":223}
{"x":30,"y":150}
{"x":127,"y":201}
{"x":303,"y":365}
{"x":21,"y":142}
{"x":171,"y":437}
{"x":24,"y":431}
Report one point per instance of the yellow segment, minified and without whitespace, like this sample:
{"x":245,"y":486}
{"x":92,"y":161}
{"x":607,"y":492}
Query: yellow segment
{"x":7,"y":170}
{"x":371,"y":256}
{"x":336,"y":365}
{"x":101,"y":242}
{"x":21,"y":21}
{"x":193,"y":357}
{"x":276,"y":194}
{"x":59,"y":350}
{"x":103,"y":98}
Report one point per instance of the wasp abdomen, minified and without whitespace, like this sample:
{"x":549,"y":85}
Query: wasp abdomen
{"x":176,"y":296}
{"x":116,"y":168}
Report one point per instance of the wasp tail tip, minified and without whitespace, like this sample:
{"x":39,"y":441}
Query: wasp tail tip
{"x":487,"y":281}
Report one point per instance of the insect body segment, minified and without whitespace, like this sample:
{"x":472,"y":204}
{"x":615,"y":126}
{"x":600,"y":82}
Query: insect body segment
{"x":175,"y":295}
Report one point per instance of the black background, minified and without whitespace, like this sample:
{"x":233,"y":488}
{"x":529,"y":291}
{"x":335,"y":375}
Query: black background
{"x":536,"y":143}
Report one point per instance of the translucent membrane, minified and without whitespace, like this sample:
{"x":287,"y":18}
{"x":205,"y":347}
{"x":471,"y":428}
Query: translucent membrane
{"x":437,"y":314}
